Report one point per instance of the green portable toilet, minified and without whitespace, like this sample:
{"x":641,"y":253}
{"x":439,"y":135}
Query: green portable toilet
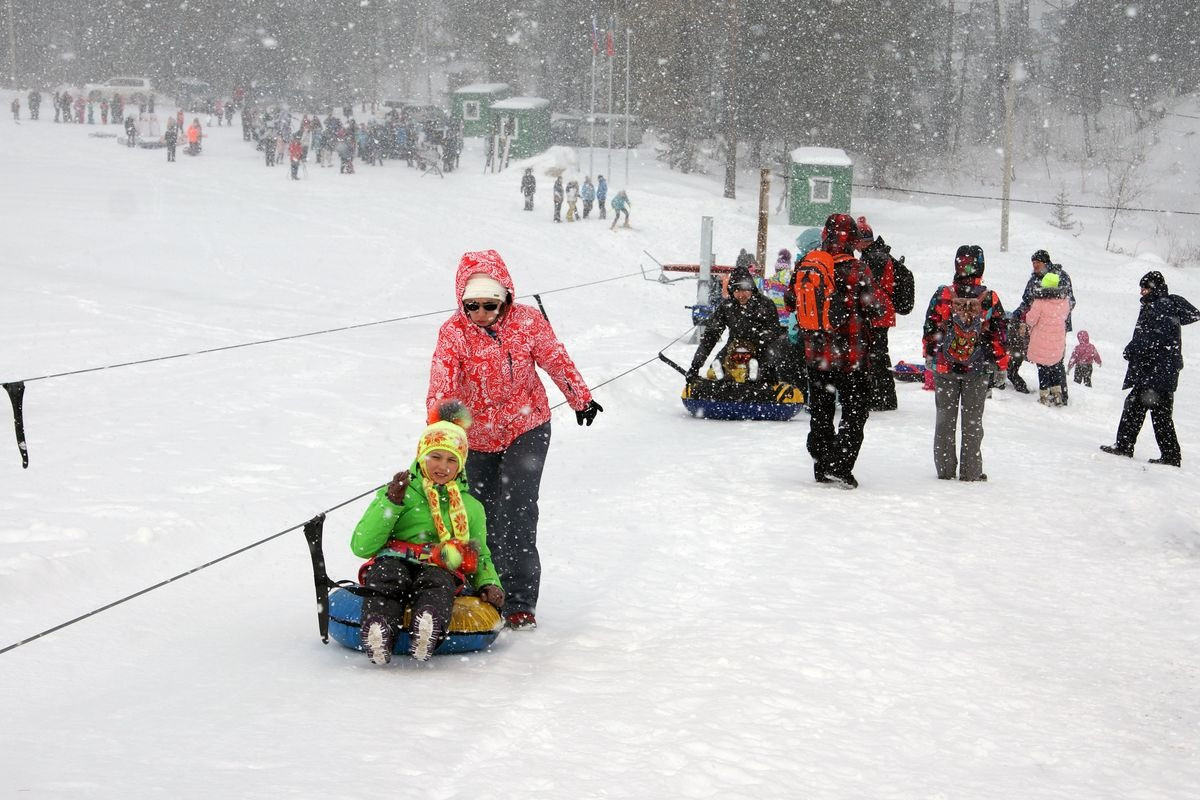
{"x":820,"y":184}
{"x":526,"y":121}
{"x":472,"y":105}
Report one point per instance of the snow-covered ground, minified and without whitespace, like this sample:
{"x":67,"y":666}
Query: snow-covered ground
{"x":712,"y":624}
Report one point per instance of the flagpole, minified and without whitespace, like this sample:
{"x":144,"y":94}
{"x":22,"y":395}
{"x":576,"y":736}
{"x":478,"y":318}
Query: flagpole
{"x":628,"y":118}
{"x":608,"y":50}
{"x":592,"y":138}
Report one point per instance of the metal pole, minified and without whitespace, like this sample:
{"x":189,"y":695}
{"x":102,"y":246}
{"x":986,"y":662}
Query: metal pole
{"x":608,"y":33}
{"x":12,"y":45}
{"x":1008,"y":137}
{"x":592,"y":137}
{"x":764,"y":201}
{"x":706,"y":260}
{"x":628,"y":117}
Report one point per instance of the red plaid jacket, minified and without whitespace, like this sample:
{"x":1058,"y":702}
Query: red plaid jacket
{"x":852,"y":310}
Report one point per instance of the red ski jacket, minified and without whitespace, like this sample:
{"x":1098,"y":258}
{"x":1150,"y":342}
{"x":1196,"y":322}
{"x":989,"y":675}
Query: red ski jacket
{"x":492,"y":371}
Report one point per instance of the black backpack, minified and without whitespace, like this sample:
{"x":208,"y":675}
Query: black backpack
{"x":904,"y":294}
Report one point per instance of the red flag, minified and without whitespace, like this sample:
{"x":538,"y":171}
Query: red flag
{"x":609,"y":50}
{"x":595,"y":37}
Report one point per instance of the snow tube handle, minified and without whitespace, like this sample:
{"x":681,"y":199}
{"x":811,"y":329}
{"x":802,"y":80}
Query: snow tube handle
{"x":16,"y":394}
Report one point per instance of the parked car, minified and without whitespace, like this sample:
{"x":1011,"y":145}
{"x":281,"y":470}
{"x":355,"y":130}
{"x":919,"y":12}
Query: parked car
{"x":136,"y":90}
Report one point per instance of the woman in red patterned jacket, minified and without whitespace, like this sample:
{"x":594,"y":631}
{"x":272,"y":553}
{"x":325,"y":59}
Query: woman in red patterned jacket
{"x":487,"y":357}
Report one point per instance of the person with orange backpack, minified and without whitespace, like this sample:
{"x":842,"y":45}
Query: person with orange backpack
{"x":964,"y":345}
{"x":835,"y":303}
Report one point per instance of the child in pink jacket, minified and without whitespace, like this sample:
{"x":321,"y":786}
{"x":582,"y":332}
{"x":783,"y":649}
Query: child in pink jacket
{"x":1047,"y":320}
{"x":1083,"y":357}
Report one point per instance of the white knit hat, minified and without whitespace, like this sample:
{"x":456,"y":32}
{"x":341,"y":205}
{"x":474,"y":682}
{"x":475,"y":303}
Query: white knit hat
{"x":483,"y":287}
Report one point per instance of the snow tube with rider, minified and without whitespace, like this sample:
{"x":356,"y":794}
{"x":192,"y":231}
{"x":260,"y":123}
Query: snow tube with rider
{"x":474,"y":624}
{"x":736,"y":396}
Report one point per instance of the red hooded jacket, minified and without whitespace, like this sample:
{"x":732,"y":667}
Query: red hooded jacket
{"x":1085,"y":352}
{"x":492,"y":371}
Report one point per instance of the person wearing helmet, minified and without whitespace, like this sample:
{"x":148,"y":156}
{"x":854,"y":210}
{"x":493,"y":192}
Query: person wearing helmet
{"x":838,"y":359}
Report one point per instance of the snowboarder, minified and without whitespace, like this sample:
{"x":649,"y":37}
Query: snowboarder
{"x":425,"y":536}
{"x":601,"y":194}
{"x":528,"y":187}
{"x":558,"y":198}
{"x":487,"y":355}
{"x":620,"y":204}
{"x":1083,"y":357}
{"x":963,"y":343}
{"x":1155,"y":356}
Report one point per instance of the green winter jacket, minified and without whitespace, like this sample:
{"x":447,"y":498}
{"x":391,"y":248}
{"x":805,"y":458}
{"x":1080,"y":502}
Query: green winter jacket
{"x":411,"y":521}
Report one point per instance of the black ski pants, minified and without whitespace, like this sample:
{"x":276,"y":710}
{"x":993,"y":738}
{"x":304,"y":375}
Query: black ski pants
{"x":1161,"y":406}
{"x":508,"y":483}
{"x":883,"y":383}
{"x":835,"y":452}
{"x":423,"y":587}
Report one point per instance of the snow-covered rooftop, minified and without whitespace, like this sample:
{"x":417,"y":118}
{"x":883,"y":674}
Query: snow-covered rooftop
{"x":521,"y":103}
{"x":830,"y":156}
{"x":482,"y":88}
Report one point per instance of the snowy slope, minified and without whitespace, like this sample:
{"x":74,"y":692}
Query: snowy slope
{"x":712,"y":624}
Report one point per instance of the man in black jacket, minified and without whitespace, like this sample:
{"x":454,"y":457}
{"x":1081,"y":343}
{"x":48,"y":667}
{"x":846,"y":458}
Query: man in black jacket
{"x":752,"y":321}
{"x":1155,"y":356}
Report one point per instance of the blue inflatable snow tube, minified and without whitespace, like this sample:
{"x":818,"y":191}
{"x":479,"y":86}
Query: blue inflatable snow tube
{"x":345,"y":617}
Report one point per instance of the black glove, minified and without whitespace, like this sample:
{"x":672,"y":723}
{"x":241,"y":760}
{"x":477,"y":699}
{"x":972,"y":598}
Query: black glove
{"x":397,"y":487}
{"x":588,"y":412}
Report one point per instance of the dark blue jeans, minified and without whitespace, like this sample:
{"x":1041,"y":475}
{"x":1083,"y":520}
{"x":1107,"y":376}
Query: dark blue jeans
{"x":507,"y":483}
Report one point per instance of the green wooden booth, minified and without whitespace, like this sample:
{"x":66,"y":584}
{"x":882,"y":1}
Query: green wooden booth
{"x":526,"y":122}
{"x":472,"y":105}
{"x":821,"y":178}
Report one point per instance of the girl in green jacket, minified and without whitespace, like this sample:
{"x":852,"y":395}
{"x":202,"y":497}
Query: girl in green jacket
{"x":425,"y":536}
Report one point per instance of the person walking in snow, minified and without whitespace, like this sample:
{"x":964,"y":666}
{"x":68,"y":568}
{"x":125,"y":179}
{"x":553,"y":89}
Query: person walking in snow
{"x":838,"y":359}
{"x":426,"y":538}
{"x":620,"y":204}
{"x":487,"y":356}
{"x":587,"y":193}
{"x":572,"y":198}
{"x":528,"y":187}
{"x":171,"y":138}
{"x":1017,"y":341}
{"x":1041,"y":264}
{"x":963,"y":344}
{"x":1083,"y":357}
{"x":35,"y":103}
{"x":558,"y":198}
{"x":601,"y":194}
{"x":194,"y":136}
{"x":876,"y":254}
{"x":296,"y":155}
{"x":1047,"y":320}
{"x":130,"y":131}
{"x":16,"y":109}
{"x":1155,"y":356}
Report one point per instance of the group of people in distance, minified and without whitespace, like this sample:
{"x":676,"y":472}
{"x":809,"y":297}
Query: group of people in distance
{"x":842,"y":357}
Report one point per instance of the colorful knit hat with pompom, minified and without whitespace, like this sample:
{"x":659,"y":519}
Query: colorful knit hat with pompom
{"x":447,"y":430}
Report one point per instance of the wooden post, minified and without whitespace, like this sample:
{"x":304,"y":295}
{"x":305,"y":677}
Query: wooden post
{"x":764,"y":201}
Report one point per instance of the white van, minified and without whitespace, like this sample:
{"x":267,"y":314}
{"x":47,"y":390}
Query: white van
{"x":136,"y":90}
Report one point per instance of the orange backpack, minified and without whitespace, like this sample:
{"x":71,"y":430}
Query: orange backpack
{"x":812,"y":286}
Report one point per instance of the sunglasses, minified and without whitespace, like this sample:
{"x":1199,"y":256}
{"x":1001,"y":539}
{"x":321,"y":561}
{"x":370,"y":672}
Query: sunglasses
{"x":491,"y":305}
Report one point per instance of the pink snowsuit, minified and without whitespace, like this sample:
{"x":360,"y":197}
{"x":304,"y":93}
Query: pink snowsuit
{"x":1047,"y":320}
{"x":1085,"y":353}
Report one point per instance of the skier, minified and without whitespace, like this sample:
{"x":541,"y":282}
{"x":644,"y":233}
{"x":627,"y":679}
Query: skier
{"x":426,"y":537}
{"x":528,"y":187}
{"x":1155,"y":356}
{"x":487,"y":355}
{"x":620,"y":204}
{"x":558,"y":198}
{"x":601,"y":194}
